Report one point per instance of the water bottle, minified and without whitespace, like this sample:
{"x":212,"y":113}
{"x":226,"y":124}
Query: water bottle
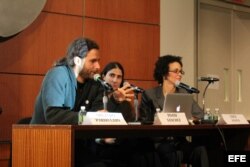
{"x":216,"y":114}
{"x":207,"y":114}
{"x":81,"y":115}
{"x":210,"y":116}
{"x":157,"y":110}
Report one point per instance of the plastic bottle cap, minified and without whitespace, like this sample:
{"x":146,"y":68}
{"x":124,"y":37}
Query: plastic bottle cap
{"x":83,"y":108}
{"x":158,"y":109}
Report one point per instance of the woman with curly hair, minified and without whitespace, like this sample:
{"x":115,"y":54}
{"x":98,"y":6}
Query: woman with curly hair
{"x":172,"y":151}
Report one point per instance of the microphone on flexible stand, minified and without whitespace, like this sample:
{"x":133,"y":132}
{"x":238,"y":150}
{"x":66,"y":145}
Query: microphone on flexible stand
{"x":107,"y":86}
{"x":188,"y":88}
{"x":136,"y":89}
{"x":208,"y":79}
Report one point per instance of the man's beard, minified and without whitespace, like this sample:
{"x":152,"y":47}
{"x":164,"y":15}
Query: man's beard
{"x":87,"y":74}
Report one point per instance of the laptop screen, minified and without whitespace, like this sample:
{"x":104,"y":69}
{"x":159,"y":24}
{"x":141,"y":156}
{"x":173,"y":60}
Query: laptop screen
{"x":179,"y":102}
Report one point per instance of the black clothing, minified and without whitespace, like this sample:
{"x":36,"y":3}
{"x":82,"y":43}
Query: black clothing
{"x":124,"y":152}
{"x":154,"y":98}
{"x":135,"y":152}
{"x":89,"y":94}
{"x":123,"y":107}
{"x":173,"y":153}
{"x":177,"y":150}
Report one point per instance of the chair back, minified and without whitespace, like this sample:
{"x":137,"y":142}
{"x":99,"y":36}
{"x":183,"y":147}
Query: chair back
{"x":25,"y":120}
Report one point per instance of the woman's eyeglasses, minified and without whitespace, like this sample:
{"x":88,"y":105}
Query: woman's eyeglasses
{"x":178,"y":72}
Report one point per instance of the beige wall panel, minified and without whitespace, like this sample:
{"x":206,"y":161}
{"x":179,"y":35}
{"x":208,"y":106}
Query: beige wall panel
{"x":241,"y":70}
{"x":36,"y":48}
{"x":18,"y":93}
{"x":136,"y":46}
{"x":178,"y":26}
{"x":72,"y":7}
{"x":143,"y":11}
{"x":215,"y":56}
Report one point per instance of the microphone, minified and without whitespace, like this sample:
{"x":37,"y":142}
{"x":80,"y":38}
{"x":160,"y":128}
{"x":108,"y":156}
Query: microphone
{"x":107,"y":86}
{"x":135,"y":88}
{"x":186,"y":87}
{"x":209,"y":79}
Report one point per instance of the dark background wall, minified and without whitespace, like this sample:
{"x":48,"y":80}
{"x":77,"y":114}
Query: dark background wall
{"x":127,"y":31}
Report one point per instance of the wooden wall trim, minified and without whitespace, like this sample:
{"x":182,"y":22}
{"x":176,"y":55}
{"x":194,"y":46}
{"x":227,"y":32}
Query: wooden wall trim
{"x":139,"y":11}
{"x":68,"y":7}
{"x":129,"y":34}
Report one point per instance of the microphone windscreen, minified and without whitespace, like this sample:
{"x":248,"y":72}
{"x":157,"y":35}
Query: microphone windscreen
{"x":177,"y":83}
{"x":96,"y":77}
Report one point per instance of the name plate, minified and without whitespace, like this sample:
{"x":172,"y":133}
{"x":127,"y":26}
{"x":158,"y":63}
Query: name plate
{"x":232,"y":119}
{"x":171,"y":118}
{"x":104,"y":118}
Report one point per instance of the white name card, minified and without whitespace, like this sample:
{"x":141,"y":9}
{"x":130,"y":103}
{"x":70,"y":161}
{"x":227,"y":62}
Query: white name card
{"x":232,"y":119}
{"x":171,"y":118}
{"x":104,"y":118}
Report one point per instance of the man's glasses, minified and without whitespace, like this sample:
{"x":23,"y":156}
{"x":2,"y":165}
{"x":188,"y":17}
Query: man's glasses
{"x":178,"y":72}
